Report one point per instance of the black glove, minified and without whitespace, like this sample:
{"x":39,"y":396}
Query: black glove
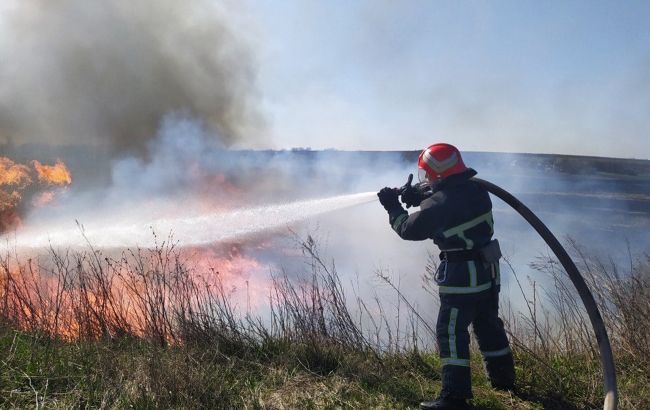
{"x":389,"y":199}
{"x":411,"y":196}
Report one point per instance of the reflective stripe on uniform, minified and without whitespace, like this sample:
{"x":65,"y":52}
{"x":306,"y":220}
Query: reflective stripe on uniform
{"x":455,"y":362}
{"x":399,"y":220}
{"x":471,"y":266}
{"x":464,"y":289}
{"x":498,"y":278}
{"x":496,"y":353}
{"x":451,"y":333}
{"x":459,"y":230}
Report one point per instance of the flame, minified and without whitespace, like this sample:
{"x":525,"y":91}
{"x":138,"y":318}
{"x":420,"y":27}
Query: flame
{"x":9,"y":218}
{"x":56,"y":174}
{"x":242,"y":274}
{"x":13,"y":174}
{"x":9,"y":200}
{"x":18,"y":187}
{"x":13,"y":177}
{"x":86,"y":301}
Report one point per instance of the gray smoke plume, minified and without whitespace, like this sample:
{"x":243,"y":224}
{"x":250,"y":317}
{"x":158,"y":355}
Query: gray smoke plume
{"x":106,"y":72}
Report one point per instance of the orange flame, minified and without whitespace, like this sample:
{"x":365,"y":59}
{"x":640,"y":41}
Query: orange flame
{"x":13,"y":174}
{"x":115,"y":299}
{"x":17,"y":181}
{"x":9,"y":218}
{"x":56,"y":174}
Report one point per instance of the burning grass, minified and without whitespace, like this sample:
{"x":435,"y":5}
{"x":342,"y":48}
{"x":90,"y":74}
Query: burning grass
{"x":144,"y":329}
{"x":22,"y":185}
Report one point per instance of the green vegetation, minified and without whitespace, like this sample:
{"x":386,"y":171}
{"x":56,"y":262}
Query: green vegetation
{"x":134,"y":373}
{"x":180,"y":344}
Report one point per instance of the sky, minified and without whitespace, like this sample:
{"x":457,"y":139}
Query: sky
{"x":565,"y":77}
{"x":568,"y":77}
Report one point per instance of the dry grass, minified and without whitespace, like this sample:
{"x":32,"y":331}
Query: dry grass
{"x":142,"y":329}
{"x":556,"y":347}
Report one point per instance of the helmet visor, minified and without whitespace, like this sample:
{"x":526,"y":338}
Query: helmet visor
{"x":423,"y":176}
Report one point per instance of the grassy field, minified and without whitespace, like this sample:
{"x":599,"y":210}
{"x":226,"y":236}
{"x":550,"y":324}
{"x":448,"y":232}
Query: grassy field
{"x":37,"y":372}
{"x":141,"y":331}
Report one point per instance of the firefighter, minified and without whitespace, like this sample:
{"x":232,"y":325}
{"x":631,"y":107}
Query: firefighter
{"x":456,"y":213}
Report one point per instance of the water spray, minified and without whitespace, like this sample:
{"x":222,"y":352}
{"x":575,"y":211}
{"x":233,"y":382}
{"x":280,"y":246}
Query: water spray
{"x":188,"y":231}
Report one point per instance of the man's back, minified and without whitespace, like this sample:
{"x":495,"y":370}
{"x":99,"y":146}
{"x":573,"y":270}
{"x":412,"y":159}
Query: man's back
{"x":458,"y":216}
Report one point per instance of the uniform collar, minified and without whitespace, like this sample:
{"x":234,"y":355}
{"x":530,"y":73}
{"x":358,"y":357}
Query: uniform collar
{"x":453,"y":180}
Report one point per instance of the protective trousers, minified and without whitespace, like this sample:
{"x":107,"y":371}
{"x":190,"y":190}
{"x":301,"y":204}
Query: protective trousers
{"x":457,"y":312}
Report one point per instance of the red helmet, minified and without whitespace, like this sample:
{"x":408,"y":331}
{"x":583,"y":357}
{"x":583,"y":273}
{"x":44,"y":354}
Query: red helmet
{"x":439,"y":161}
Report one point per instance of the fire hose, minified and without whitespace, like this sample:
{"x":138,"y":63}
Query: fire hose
{"x":604,"y":346}
{"x":606,"y":355}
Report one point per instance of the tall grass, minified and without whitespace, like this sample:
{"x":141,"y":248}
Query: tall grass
{"x":159,"y":334}
{"x":558,"y":353}
{"x":162,"y":334}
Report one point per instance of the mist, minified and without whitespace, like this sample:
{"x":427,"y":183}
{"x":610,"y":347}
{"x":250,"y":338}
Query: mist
{"x":220,"y":206}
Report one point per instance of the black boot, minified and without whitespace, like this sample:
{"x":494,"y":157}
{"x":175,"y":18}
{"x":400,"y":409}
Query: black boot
{"x":445,"y":403}
{"x":501,"y":372}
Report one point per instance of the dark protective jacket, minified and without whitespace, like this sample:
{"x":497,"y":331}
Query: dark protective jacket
{"x":457,"y":216}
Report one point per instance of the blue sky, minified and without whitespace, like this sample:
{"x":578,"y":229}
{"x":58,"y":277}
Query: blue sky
{"x":555,"y":77}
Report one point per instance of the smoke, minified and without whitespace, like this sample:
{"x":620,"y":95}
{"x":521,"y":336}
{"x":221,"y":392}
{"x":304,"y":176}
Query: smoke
{"x":189,"y":174}
{"x":211,"y":199}
{"x":106,"y":73}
